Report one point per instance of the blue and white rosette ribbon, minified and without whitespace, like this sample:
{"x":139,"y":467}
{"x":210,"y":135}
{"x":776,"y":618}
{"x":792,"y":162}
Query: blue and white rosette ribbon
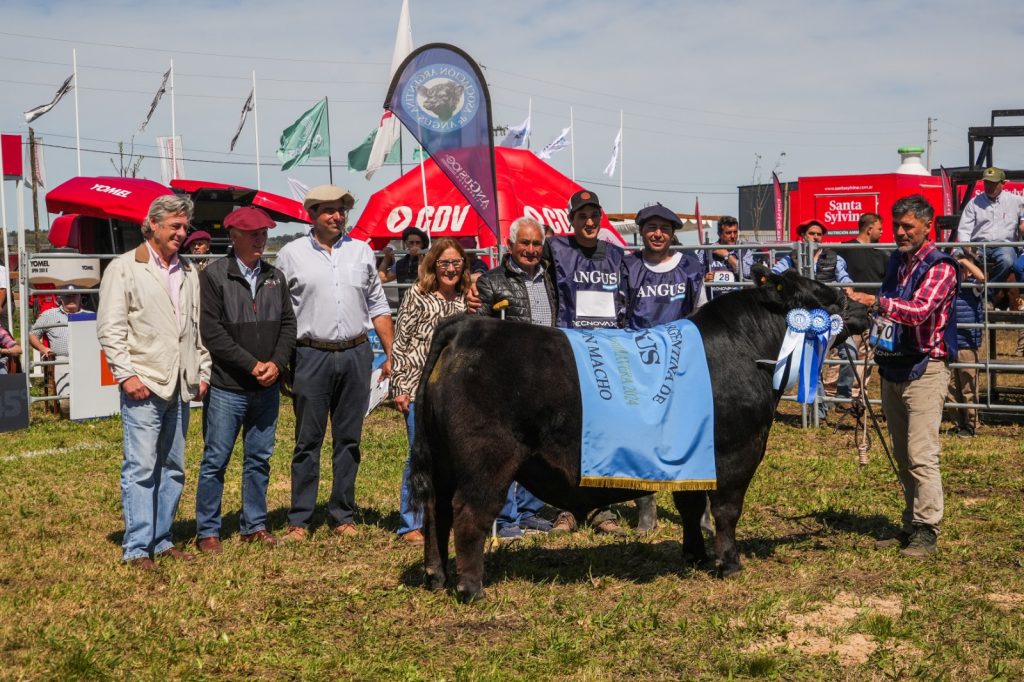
{"x":809,"y":336}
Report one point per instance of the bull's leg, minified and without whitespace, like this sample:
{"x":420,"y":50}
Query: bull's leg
{"x":726,"y":507}
{"x":647,"y":506}
{"x":471,"y":526}
{"x":691,"y":507}
{"x":437,"y":524}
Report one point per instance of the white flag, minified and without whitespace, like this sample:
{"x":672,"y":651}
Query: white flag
{"x":609,"y":170}
{"x":390,"y":128}
{"x":517,"y":135}
{"x":172,"y":166}
{"x":246,"y":108}
{"x":560,"y":142}
{"x":299,"y":189}
{"x":36,"y":112}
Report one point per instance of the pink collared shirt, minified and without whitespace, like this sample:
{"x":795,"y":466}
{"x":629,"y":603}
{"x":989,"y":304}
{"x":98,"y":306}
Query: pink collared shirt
{"x":173,"y":277}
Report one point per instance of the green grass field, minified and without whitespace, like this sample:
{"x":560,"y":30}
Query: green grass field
{"x":816,"y":601}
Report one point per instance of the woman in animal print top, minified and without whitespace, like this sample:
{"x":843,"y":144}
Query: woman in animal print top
{"x":440,"y":292}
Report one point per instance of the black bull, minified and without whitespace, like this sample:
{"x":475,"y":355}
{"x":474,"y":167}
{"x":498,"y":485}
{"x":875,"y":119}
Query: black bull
{"x":499,"y":401}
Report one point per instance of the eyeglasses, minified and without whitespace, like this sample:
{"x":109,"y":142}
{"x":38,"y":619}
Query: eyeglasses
{"x":451,"y":264}
{"x":413,"y":242}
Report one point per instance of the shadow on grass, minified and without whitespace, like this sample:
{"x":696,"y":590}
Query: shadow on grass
{"x":643,"y":561}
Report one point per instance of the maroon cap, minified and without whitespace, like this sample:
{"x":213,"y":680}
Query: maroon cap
{"x":196,"y":236}
{"x":249,"y":218}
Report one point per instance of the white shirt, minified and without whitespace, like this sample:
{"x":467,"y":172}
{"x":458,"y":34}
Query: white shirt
{"x":336,"y":294}
{"x":985,"y":220}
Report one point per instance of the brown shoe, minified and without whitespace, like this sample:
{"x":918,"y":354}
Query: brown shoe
{"x":176,"y":554}
{"x":261,"y":537}
{"x":413,"y":537}
{"x":610,"y":527}
{"x":564,"y":523}
{"x":345,"y":530}
{"x":209,"y":545}
{"x":295,"y":534}
{"x":142,"y":563}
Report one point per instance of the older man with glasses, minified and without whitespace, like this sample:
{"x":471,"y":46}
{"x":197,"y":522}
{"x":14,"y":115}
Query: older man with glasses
{"x":338,"y":297}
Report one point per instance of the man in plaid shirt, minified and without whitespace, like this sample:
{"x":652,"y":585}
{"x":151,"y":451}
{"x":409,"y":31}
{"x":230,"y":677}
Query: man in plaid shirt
{"x":917,"y":340}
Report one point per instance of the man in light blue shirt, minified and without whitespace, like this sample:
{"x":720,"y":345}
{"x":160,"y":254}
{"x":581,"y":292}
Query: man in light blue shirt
{"x":995,"y":216}
{"x":337,"y":297}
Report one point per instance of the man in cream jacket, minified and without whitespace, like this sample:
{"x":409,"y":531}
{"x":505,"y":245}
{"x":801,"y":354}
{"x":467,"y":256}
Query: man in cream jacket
{"x":148,"y":326}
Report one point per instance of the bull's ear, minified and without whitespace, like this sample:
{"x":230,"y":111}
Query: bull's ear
{"x":760,"y":274}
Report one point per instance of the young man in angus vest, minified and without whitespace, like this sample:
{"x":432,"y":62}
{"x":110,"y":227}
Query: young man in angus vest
{"x":589,"y":273}
{"x":726,"y":265}
{"x":917,"y":328}
{"x":664,"y":287}
{"x":591,"y":291}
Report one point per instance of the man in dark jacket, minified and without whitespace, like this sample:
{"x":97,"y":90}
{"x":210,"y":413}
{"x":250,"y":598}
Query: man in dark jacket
{"x":520,"y":289}
{"x":248,"y":325}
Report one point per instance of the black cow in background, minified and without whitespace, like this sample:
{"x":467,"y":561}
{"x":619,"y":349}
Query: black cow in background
{"x":501,"y":401}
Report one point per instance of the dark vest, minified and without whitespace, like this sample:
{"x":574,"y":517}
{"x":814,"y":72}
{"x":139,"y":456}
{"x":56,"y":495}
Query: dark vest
{"x":907,"y":362}
{"x":661,"y":297}
{"x":968,"y":311}
{"x":600,"y":274}
{"x":825,"y":268}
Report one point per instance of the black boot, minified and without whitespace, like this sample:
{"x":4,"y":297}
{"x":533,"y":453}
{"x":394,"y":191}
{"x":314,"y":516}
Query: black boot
{"x":648,"y":508}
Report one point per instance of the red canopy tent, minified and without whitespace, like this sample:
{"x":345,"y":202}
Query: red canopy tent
{"x":526,"y":186}
{"x":105,"y":197}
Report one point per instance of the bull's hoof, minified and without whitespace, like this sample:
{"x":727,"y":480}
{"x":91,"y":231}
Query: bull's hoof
{"x":648,"y":518}
{"x":434,"y":582}
{"x":729,"y":570}
{"x":468,"y":595}
{"x":695,"y":557}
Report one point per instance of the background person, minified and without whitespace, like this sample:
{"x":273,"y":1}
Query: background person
{"x":917,"y":297}
{"x":198,"y":244}
{"x":406,"y":269}
{"x":439,"y":293}
{"x":963,"y":381}
{"x":726,"y":265}
{"x":247,"y":324}
{"x":9,"y":350}
{"x":337,"y":297}
{"x":148,"y":327}
{"x":524,"y":283}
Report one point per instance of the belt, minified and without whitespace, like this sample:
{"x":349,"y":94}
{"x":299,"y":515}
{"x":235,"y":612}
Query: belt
{"x":333,"y":345}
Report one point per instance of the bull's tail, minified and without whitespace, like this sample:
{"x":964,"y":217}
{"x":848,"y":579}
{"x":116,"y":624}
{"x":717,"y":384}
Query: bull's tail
{"x":421,"y":461}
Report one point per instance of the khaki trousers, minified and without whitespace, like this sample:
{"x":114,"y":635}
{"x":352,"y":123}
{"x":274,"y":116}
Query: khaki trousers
{"x":913,"y":410}
{"x":963,"y":388}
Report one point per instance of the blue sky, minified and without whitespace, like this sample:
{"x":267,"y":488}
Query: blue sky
{"x":704,"y":86}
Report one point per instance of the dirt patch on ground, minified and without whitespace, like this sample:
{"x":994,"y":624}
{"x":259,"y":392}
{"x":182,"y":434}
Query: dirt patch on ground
{"x":1006,"y":601}
{"x":819,"y":632}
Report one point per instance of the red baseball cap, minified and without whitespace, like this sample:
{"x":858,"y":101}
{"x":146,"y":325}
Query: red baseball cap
{"x":249,"y":218}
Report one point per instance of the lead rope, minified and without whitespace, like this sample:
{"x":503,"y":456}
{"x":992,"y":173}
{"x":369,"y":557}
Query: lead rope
{"x":874,"y":420}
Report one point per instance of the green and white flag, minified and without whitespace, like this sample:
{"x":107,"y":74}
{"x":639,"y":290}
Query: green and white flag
{"x":308,"y":136}
{"x":359,"y":157}
{"x":419,"y":155}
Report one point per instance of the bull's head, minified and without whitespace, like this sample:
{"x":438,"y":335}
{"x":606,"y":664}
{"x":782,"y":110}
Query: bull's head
{"x":790,"y":290}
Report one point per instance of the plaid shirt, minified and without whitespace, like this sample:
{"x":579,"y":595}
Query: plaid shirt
{"x":6,"y":340}
{"x":929,"y":309}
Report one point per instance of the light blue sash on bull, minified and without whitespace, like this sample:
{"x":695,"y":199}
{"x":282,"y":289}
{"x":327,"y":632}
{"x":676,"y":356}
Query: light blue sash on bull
{"x":648,"y":413}
{"x":809,"y":336}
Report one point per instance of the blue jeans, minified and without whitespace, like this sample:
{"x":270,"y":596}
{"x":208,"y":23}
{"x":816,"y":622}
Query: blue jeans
{"x":1001,"y":261}
{"x":153,"y":472}
{"x":224,"y":414}
{"x":520,"y":504}
{"x":847,"y":351}
{"x":409,"y":519}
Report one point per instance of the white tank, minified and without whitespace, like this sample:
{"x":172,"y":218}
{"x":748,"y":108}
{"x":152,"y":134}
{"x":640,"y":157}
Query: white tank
{"x":910,"y":161}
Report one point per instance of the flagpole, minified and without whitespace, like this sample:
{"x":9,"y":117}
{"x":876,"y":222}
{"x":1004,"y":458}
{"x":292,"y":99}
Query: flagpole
{"x":256,"y":130}
{"x":622,"y":159}
{"x":423,"y":176}
{"x":174,"y":131}
{"x":330,"y":164}
{"x":78,"y":140}
{"x":572,"y":143}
